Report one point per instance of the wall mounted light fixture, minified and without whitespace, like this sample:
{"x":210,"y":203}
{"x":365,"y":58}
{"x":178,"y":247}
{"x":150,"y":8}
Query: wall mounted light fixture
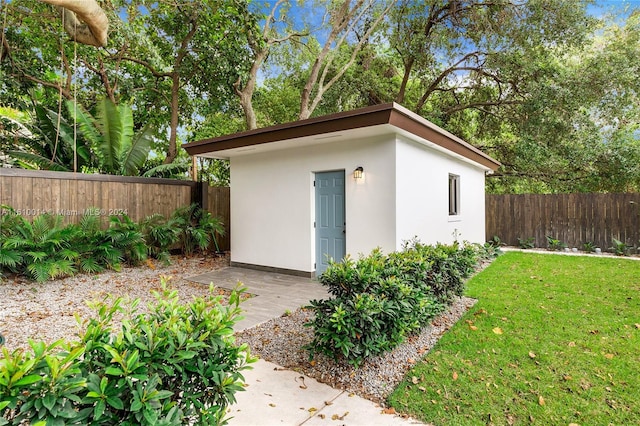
{"x":358,"y":173}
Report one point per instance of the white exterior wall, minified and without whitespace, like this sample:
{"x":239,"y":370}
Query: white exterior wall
{"x":422,"y":199}
{"x":273,"y":201}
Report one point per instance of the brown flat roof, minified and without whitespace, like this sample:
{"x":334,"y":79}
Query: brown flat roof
{"x":390,"y":113}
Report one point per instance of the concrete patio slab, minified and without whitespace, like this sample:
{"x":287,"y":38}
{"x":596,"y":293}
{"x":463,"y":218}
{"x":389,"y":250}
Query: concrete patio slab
{"x":274,"y":293}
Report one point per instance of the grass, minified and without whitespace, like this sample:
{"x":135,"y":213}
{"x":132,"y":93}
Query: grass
{"x":552,"y":340}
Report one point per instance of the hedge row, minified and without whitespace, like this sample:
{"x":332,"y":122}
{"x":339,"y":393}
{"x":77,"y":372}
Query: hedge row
{"x":380,"y":299}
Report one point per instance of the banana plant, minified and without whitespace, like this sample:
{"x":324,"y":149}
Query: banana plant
{"x":110,"y":134}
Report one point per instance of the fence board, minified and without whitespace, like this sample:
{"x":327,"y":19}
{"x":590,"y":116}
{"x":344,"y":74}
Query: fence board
{"x":572,"y":218}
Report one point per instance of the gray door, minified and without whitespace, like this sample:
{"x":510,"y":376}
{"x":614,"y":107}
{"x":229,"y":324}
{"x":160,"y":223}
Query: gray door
{"x":330,"y":224}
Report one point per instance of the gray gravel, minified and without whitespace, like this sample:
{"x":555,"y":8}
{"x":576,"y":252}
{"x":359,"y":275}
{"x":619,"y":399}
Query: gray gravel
{"x":280,"y":341}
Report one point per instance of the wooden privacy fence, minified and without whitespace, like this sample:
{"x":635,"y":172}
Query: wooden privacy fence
{"x":33,"y":192}
{"x":571,"y":218}
{"x":217,"y":201}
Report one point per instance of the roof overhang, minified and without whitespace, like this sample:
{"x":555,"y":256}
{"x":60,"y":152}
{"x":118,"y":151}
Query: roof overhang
{"x":372,"y":121}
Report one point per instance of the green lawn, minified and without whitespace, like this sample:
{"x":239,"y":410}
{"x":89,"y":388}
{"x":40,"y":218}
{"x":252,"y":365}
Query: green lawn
{"x":552,"y":340}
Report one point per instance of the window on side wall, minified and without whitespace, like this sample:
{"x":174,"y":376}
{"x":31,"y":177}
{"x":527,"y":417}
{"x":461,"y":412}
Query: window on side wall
{"x":454,"y":195}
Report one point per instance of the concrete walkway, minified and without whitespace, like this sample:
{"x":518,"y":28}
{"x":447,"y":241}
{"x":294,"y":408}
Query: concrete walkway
{"x":274,"y":395}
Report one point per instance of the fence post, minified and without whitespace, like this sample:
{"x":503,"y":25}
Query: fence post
{"x":200,"y":196}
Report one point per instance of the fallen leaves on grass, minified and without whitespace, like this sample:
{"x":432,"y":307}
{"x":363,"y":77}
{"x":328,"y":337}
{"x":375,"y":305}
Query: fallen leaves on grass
{"x":497,"y":330}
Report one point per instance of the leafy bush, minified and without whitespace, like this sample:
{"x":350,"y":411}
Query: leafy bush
{"x":495,"y":242}
{"x":555,"y":244}
{"x":39,"y":249}
{"x":526,"y":243}
{"x":620,"y":248}
{"x":160,"y":236}
{"x":177,"y":364}
{"x":46,"y":249}
{"x":197,"y":228}
{"x":589,"y":247}
{"x":378,"y":300}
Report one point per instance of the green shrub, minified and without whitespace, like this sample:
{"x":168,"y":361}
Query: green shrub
{"x":526,"y":243}
{"x":46,"y":249}
{"x":555,"y":244}
{"x":620,"y":248}
{"x":40,"y":249}
{"x":99,"y":249}
{"x":177,"y":364}
{"x":379,"y":300}
{"x":160,"y":236}
{"x":197,"y":228}
{"x":495,"y":242}
{"x":589,"y":247}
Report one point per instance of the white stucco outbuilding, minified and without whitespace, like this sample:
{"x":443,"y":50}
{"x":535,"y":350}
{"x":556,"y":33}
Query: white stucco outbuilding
{"x":347,"y":183}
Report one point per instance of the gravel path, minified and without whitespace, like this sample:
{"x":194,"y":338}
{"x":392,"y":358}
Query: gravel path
{"x":280,"y":341}
{"x":46,"y":311}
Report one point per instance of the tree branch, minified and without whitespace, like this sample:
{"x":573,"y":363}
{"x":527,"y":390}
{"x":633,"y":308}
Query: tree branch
{"x":435,"y":83}
{"x":480,"y":104}
{"x":145,"y":64}
{"x":65,"y":92}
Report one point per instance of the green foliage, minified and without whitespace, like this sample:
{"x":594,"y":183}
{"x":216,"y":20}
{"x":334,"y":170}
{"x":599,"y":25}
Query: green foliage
{"x":379,"y":300}
{"x":46,"y":249}
{"x":589,"y":247}
{"x":40,"y":249}
{"x":177,"y":364}
{"x":9,"y":222}
{"x":555,"y":244}
{"x":43,"y":140}
{"x":197,"y":228}
{"x":110,"y":134}
{"x":106,"y":143}
{"x":620,"y":248}
{"x":526,"y":243}
{"x":160,"y":235}
{"x":495,"y":242}
{"x":550,"y":88}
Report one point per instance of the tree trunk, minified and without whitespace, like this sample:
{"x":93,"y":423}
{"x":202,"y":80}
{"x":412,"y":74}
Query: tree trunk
{"x":246,"y":93}
{"x":408,"y":66}
{"x":172,"y":150}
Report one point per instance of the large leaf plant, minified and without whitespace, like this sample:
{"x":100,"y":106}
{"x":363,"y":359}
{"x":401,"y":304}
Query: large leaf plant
{"x":110,"y":134}
{"x":42,"y":140}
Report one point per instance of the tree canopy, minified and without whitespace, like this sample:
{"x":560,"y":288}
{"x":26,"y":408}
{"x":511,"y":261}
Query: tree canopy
{"x":547,"y":87}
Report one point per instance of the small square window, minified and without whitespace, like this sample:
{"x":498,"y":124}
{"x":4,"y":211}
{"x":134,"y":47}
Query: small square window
{"x":454,"y":195}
